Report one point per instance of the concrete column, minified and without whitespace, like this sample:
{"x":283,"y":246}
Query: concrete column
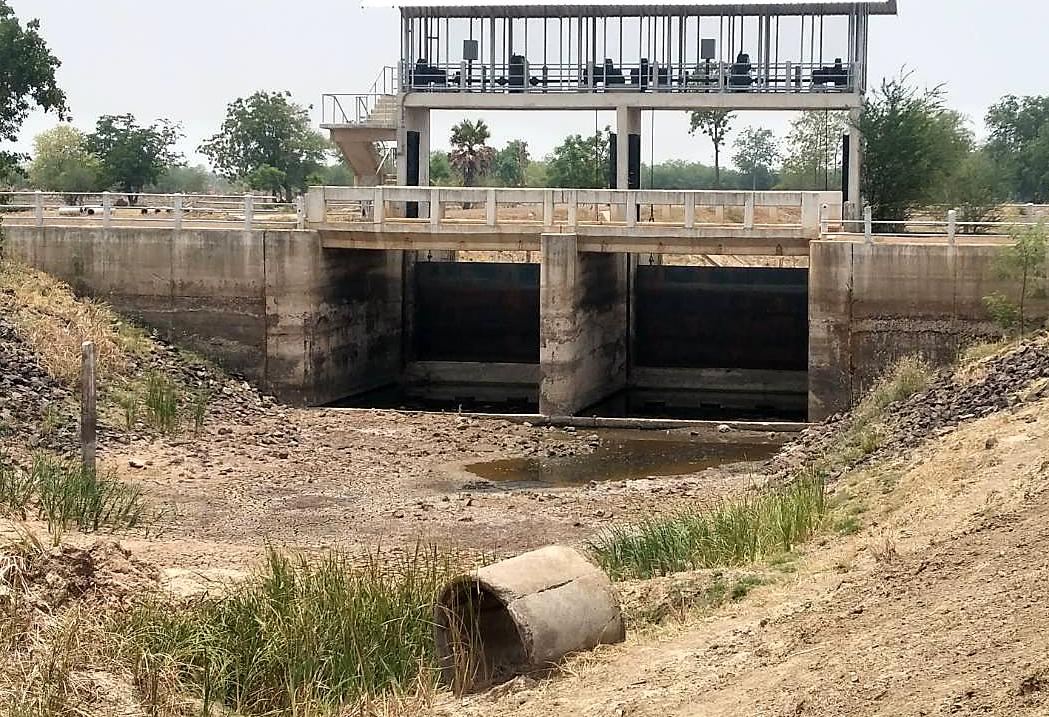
{"x":628,"y":122}
{"x":583,"y":322}
{"x":855,"y":198}
{"x":414,"y":119}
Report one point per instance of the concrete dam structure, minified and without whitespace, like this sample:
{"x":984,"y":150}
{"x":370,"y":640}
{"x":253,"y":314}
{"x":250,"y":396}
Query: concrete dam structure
{"x":588,"y":320}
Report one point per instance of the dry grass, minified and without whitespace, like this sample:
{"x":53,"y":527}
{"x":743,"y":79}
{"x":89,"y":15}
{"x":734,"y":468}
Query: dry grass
{"x":55,"y":322}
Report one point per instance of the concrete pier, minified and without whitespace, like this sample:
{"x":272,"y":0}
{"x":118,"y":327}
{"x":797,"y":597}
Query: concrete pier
{"x":583,"y":303}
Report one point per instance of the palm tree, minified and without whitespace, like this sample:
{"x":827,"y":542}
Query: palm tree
{"x":470,"y":156}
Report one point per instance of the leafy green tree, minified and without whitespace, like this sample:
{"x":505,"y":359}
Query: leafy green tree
{"x":471,"y":156}
{"x":756,"y":151}
{"x":1022,"y":262}
{"x":580,"y":162}
{"x":441,"y":172}
{"x":536,"y":174}
{"x":267,"y":179}
{"x":1019,"y":141}
{"x":912,"y":143}
{"x":337,"y":174}
{"x":680,"y":174}
{"x":813,"y":154}
{"x":715,"y":124}
{"x":133,"y":156}
{"x":27,"y":79}
{"x":63,"y":163}
{"x":267,"y":129}
{"x":976,"y":188}
{"x":189,"y":180}
{"x":511,"y":164}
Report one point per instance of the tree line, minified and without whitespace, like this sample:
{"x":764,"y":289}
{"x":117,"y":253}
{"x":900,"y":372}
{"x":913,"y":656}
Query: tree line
{"x":917,"y":150}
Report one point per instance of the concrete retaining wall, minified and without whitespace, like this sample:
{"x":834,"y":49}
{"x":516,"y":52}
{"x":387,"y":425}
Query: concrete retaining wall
{"x":311,"y":325}
{"x":871,"y":304}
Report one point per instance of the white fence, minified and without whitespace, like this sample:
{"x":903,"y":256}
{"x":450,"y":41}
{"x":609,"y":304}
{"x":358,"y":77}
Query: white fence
{"x":165,"y":210}
{"x":564,"y":208}
{"x":949,"y":228}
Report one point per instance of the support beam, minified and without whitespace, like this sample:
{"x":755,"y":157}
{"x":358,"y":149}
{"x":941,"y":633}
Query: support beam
{"x":582,"y":326}
{"x":628,"y":124}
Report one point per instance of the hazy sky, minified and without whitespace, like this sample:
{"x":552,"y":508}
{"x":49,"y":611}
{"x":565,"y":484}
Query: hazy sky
{"x":186,"y":60}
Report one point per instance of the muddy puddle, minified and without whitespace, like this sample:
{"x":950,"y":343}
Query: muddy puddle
{"x":620,"y":457}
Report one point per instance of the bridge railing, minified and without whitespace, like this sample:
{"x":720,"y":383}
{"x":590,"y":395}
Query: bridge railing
{"x":36,"y":208}
{"x":949,"y":229}
{"x":448,"y":208}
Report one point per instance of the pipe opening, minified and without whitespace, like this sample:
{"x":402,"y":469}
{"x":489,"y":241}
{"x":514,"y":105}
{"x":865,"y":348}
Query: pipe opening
{"x":478,"y":642}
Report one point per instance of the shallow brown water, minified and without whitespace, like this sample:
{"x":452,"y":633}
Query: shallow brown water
{"x":621,"y":459}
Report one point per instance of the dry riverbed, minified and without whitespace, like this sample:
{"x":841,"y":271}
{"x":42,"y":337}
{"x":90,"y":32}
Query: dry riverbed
{"x":367,"y":480}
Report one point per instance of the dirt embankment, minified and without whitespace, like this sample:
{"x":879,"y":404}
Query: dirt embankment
{"x":929,"y":600}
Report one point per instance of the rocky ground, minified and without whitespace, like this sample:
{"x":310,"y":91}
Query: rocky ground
{"x":259,"y":473}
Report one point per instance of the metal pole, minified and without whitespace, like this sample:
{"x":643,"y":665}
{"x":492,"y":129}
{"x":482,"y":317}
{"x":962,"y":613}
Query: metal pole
{"x":88,"y":411}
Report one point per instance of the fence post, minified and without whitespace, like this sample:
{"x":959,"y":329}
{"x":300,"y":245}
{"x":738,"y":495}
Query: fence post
{"x":249,"y":211}
{"x":490,"y":208}
{"x":107,"y":210}
{"x":88,"y":414}
{"x":548,"y":208}
{"x":824,"y":220}
{"x":177,"y":209}
{"x":748,"y":212}
{"x":379,"y":206}
{"x":952,"y":225}
{"x":315,"y":205}
{"x":435,"y":206}
{"x":38,"y":208}
{"x":690,"y":210}
{"x":868,"y":224}
{"x":300,"y":211}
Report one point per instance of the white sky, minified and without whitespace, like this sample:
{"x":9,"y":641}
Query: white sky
{"x":187,"y":60}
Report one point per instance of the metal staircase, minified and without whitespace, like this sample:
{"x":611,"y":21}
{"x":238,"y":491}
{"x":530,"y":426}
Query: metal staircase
{"x":364,"y":127}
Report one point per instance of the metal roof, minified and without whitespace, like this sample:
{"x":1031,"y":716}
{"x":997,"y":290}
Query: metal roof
{"x":587,"y":8}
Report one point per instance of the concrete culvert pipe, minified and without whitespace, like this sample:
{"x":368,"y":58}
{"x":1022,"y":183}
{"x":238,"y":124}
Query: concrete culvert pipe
{"x":521,"y":615}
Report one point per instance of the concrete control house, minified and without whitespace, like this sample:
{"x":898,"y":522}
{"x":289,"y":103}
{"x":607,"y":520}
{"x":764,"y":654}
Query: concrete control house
{"x":620,"y":57}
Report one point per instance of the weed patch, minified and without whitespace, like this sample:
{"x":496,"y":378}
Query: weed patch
{"x":736,"y":531}
{"x":162,"y":402}
{"x":66,"y":495}
{"x":324,"y":633}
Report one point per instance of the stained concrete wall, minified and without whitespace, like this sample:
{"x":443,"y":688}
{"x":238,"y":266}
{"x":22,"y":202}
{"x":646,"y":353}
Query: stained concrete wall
{"x":872,"y":304}
{"x":310,"y":324}
{"x":583,"y":299}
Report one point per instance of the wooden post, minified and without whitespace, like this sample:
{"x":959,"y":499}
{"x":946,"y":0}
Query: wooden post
{"x":88,"y":413}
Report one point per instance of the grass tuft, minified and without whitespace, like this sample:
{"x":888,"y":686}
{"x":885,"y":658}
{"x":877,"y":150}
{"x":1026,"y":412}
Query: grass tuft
{"x":734,"y":532}
{"x":65,"y":494}
{"x":162,"y":402}
{"x":323,"y":633}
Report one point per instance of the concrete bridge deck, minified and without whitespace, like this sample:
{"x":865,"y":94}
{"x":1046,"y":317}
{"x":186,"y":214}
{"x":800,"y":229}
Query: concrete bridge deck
{"x":603,"y":221}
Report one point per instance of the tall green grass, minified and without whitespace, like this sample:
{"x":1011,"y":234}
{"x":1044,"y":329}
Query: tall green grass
{"x":65,"y":494}
{"x":162,"y":402}
{"x":298,"y":633}
{"x":736,"y":531}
